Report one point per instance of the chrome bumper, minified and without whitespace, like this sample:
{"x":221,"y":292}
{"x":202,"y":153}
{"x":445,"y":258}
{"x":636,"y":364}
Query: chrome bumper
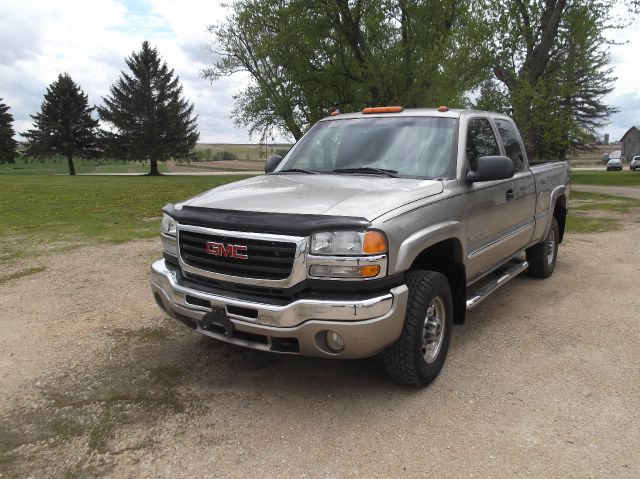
{"x":367,"y":326}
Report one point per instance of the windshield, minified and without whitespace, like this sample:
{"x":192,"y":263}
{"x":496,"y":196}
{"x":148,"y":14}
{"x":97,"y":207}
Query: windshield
{"x":403,"y":146}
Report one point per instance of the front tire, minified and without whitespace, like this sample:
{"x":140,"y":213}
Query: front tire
{"x":418,"y":355}
{"x":542,"y":257}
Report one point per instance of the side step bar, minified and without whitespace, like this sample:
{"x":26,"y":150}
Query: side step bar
{"x":480,"y":294}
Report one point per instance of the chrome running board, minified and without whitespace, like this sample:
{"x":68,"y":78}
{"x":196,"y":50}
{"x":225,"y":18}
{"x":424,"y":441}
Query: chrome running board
{"x":501,"y":278}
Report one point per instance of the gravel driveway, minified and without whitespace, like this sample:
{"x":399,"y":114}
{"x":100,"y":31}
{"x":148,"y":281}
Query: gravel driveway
{"x":543,"y":380}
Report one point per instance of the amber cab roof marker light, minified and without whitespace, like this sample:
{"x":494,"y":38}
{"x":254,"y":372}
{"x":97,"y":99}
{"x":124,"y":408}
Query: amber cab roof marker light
{"x":383,"y":109}
{"x":335,"y":113}
{"x":443,"y":108}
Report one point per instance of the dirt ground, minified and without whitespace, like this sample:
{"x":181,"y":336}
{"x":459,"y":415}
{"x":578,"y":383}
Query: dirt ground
{"x":542,"y":381}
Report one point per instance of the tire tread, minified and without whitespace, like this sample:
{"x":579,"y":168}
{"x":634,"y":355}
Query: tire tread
{"x":400,"y":358}
{"x":536,"y":256}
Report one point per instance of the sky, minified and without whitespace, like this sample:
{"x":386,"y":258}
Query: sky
{"x":89,"y":39}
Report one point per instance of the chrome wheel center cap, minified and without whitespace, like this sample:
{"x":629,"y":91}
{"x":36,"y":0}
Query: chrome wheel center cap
{"x":433,"y":330}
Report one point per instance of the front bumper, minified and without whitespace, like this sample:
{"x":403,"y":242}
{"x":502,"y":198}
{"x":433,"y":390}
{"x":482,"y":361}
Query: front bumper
{"x":366,"y":325}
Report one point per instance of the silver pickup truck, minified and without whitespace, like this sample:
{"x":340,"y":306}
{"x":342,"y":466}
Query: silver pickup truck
{"x":374,"y":234}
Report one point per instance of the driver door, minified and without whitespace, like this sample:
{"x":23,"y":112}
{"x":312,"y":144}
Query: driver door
{"x":488,"y":205}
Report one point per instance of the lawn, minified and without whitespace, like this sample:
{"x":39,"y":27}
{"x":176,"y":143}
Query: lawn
{"x":597,"y":212}
{"x":42,"y":213}
{"x":53,"y":166}
{"x":609,"y":178}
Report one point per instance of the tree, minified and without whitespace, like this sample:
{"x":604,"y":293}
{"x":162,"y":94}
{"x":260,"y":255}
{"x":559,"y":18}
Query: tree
{"x":150,"y":118}
{"x":552,"y":58}
{"x":64,"y":124}
{"x":493,"y":97}
{"x":7,"y":143}
{"x":308,"y":57}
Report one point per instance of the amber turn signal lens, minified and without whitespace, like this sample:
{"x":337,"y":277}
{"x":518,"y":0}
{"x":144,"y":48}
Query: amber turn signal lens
{"x":383,"y":109}
{"x":369,"y":271}
{"x":374,"y":242}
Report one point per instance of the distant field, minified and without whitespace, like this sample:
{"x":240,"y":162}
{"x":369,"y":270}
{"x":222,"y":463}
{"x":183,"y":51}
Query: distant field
{"x":206,"y":152}
{"x":57,"y":166}
{"x":244,"y":152}
{"x":40,"y":213}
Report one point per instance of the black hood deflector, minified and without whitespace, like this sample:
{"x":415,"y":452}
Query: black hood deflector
{"x":261,"y":222}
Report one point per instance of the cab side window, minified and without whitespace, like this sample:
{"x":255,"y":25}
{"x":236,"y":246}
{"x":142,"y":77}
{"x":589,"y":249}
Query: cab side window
{"x":480,"y":141}
{"x":509,"y":136}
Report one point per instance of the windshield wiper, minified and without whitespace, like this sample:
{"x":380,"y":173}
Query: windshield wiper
{"x":296,"y":170}
{"x":367,"y":169}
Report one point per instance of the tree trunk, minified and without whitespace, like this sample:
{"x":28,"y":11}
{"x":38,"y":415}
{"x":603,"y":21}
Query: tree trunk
{"x":72,"y":170}
{"x":154,"y":167}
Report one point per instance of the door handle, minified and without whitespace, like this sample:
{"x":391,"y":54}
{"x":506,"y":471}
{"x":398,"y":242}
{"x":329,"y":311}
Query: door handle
{"x":509,"y":195}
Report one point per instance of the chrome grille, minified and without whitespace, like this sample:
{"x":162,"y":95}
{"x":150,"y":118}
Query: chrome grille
{"x":266,"y":259}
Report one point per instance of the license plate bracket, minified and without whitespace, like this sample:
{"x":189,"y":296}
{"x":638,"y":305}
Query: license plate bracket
{"x":217,"y":316}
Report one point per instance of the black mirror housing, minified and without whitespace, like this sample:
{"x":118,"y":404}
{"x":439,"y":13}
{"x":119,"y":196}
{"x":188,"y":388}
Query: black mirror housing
{"x":491,"y":168}
{"x":272,"y":163}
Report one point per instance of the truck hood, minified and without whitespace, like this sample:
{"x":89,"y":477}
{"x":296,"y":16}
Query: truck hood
{"x":336,"y":195}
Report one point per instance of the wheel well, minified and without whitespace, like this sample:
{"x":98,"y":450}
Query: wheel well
{"x":446,"y":258}
{"x":560,"y":214}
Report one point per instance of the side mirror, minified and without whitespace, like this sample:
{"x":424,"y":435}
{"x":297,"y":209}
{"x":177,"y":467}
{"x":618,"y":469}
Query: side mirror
{"x":491,"y":168}
{"x":272,"y":163}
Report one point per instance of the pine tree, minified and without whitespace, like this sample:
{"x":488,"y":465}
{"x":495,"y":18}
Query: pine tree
{"x":150,"y":118}
{"x":64,"y":124}
{"x":7,"y":143}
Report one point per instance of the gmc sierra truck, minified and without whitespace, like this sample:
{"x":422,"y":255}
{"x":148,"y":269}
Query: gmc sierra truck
{"x":374,"y":234}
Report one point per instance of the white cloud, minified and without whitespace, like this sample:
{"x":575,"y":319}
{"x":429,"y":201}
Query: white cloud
{"x":626,"y":68}
{"x":90,"y":40}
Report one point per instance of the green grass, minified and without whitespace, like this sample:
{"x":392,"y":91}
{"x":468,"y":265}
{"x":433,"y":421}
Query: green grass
{"x":611,"y":178}
{"x":58,"y":166}
{"x":598,"y":204}
{"x":40,"y":213}
{"x":582,"y":225}
{"x":585,"y":201}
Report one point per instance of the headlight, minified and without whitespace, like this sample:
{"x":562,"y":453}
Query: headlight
{"x":168,"y":225}
{"x":348,"y":243}
{"x":348,"y":254}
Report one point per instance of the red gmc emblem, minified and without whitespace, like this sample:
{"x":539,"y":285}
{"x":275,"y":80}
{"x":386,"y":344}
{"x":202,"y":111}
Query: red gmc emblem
{"x":228,"y":251}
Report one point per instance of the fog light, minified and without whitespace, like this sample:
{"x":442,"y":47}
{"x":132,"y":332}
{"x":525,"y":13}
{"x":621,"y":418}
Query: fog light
{"x":334,"y":341}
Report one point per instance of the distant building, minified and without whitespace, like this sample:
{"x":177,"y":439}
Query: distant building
{"x":606,"y":139}
{"x":630,"y":143}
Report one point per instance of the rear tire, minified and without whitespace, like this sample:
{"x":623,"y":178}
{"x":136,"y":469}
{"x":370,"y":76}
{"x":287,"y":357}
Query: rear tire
{"x":418,"y":355}
{"x":542,"y":257}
